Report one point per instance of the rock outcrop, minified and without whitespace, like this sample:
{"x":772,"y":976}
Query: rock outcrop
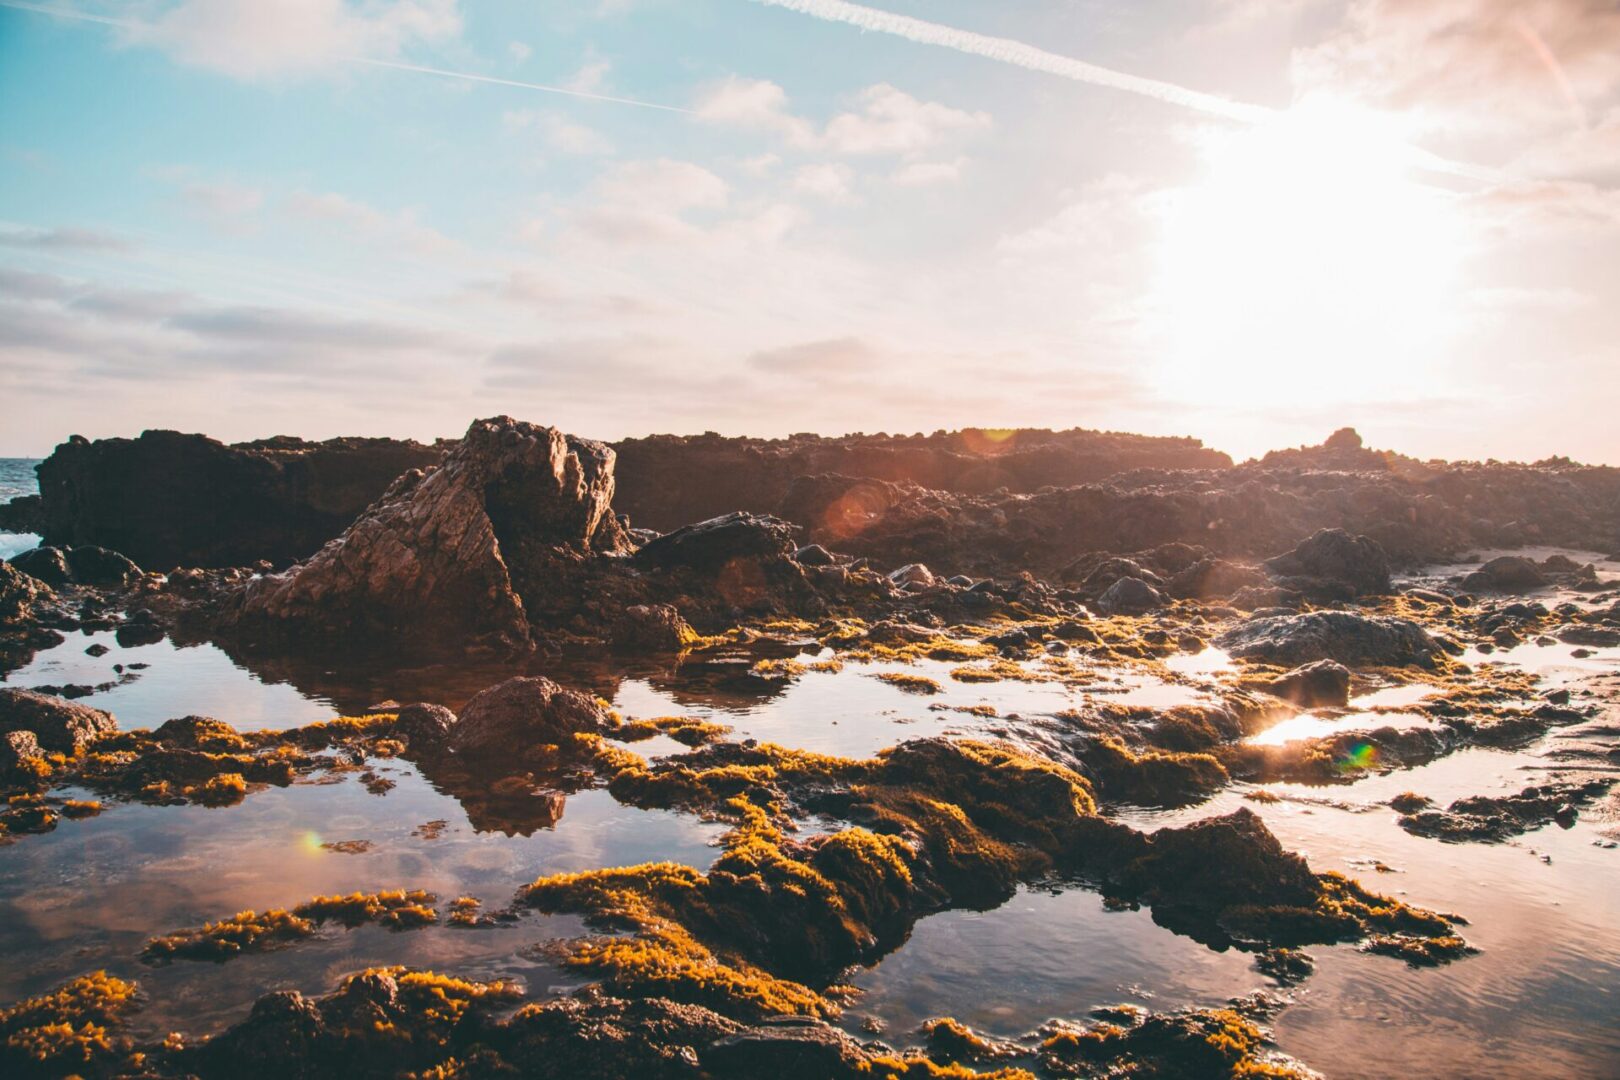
{"x":168,"y":499}
{"x":458,"y":557}
{"x":1341,"y":636}
{"x":58,"y":725}
{"x":513,"y":716}
{"x":1332,"y":557}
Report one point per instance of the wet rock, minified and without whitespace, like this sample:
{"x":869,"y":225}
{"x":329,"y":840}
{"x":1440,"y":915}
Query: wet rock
{"x":1333,"y":555}
{"x":1506,"y":573}
{"x":24,"y":514}
{"x":1130,"y":596}
{"x":425,"y":725}
{"x":97,"y":566}
{"x":1493,"y":819}
{"x":652,"y":628}
{"x":21,"y":595}
{"x":1112,"y":569}
{"x":1212,"y":578}
{"x":714,"y":544}
{"x":46,"y":563}
{"x":57,"y":724}
{"x":1219,"y":863}
{"x":1600,"y":636}
{"x":463,"y":556}
{"x":1325,"y":682}
{"x":792,"y":1048}
{"x":1350,"y":639}
{"x":19,"y":751}
{"x":521,"y":712}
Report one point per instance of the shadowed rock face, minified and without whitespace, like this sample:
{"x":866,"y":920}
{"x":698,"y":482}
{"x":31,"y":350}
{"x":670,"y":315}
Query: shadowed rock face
{"x":1356,"y":640}
{"x":167,"y":499}
{"x":458,"y":556}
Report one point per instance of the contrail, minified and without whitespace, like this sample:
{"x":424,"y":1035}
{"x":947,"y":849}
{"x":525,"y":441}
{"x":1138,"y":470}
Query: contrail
{"x":1025,"y":56}
{"x":1017,"y":53}
{"x":445,"y":73}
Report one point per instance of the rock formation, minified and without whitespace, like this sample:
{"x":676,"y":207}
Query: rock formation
{"x":167,"y":499}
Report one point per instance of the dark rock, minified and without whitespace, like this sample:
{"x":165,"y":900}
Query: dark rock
{"x":1346,"y":438}
{"x":712,"y":545}
{"x":24,"y":514}
{"x":1493,"y":819}
{"x":166,"y":499}
{"x":1110,"y":570}
{"x":1212,"y":578}
{"x":912,"y":574}
{"x":1323,"y":683}
{"x":17,"y":750}
{"x":1601,"y":636}
{"x":425,"y":725}
{"x":1130,"y":596}
{"x":1333,"y":555}
{"x":1506,"y":573}
{"x":57,"y":725}
{"x":814,"y":555}
{"x":21,"y":595}
{"x":652,"y":628}
{"x":48,"y":564}
{"x":91,"y":565}
{"x":1353,"y":640}
{"x":518,"y":713}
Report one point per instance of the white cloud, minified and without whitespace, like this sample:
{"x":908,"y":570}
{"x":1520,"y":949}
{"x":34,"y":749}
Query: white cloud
{"x":760,"y":164}
{"x":252,"y":38}
{"x":560,"y":133}
{"x":832,"y":181}
{"x":365,"y":221}
{"x":519,"y":51}
{"x":888,"y":121}
{"x":926,"y":173}
{"x":591,"y":78}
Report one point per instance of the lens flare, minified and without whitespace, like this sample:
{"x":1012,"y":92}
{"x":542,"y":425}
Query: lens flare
{"x":1361,"y":756}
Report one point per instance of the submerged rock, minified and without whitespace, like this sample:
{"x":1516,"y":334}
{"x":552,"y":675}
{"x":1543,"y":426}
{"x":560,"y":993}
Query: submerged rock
{"x":518,"y":713}
{"x":1354,"y":640}
{"x":58,"y":725}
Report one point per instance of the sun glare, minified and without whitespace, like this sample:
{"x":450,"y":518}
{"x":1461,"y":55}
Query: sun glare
{"x":1312,"y":262}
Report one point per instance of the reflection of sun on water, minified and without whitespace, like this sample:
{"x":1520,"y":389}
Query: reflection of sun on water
{"x":1311,"y":266}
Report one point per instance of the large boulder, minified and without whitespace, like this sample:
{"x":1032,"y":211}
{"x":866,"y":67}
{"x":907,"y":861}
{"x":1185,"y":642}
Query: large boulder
{"x":20,"y":595}
{"x":652,"y":628}
{"x":713,"y":544}
{"x":46,"y":563}
{"x":511,"y":716}
{"x":1130,"y":596}
{"x":1350,"y":639}
{"x":167,"y":499}
{"x":728,"y":568}
{"x":92,"y":565}
{"x":59,"y":725}
{"x":462,"y":556}
{"x":1333,"y":555}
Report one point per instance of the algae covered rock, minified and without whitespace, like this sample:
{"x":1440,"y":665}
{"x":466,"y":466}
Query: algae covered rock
{"x":521,"y":712}
{"x":652,"y":628}
{"x":425,"y":725}
{"x":1351,"y":639}
{"x":64,"y":726}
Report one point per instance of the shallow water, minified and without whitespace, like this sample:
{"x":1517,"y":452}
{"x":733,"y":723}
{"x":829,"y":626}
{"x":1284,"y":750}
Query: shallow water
{"x":1539,"y":1000}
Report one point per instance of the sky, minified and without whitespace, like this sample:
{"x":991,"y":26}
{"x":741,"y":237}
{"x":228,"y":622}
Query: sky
{"x":1249,"y":221}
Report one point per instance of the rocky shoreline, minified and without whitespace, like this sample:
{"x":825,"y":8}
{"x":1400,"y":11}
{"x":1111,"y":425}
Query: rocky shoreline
{"x":511,"y":546}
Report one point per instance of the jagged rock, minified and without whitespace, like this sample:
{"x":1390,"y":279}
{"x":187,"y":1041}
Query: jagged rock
{"x":1110,"y":570}
{"x":166,"y":499}
{"x":1506,"y":573}
{"x":912,"y":574}
{"x":518,"y":713}
{"x":1353,"y":640}
{"x":57,"y":724}
{"x":814,"y":555}
{"x":728,"y":568}
{"x":24,"y":514}
{"x":788,"y":1048}
{"x":20,"y":595}
{"x":1219,"y":863}
{"x":17,"y":750}
{"x":652,"y":628}
{"x":1333,"y":555}
{"x":48,"y":564}
{"x":1130,"y":596}
{"x":425,"y":725}
{"x":462,"y":556}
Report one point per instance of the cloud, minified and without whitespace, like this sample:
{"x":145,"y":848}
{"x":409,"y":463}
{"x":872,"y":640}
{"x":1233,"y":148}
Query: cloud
{"x":817,"y":359}
{"x":359,"y":219}
{"x":560,"y":133}
{"x":63,"y":239}
{"x":519,"y":51}
{"x":888,"y":120}
{"x":926,"y":173}
{"x":831,"y":181}
{"x":646,"y":201}
{"x":1478,"y":65}
{"x":591,"y":78}
{"x":250,"y":39}
{"x":544,"y":295}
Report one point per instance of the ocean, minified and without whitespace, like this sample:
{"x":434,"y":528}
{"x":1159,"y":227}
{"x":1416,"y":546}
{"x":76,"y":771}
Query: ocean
{"x":17,"y":478}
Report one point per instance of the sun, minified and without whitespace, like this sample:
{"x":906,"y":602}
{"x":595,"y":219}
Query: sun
{"x":1312,"y":264}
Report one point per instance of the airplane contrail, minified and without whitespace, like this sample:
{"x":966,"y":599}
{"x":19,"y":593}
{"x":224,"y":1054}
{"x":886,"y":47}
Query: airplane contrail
{"x":445,"y":73}
{"x":1017,"y":53}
